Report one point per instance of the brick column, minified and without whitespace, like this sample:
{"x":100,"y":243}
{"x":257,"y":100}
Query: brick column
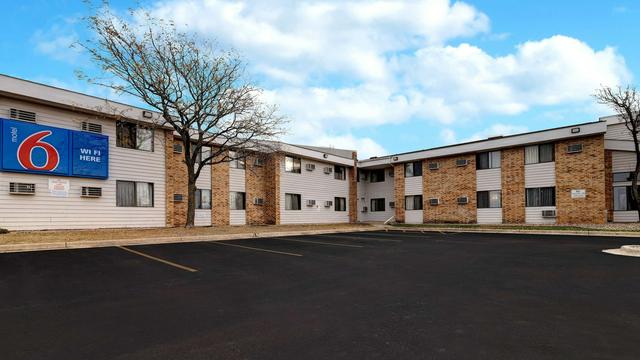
{"x":583,"y":170}
{"x":272,"y":199}
{"x":168,"y":177}
{"x":176,"y":182}
{"x":220,"y":194}
{"x":448,"y":183}
{"x":513,"y":198}
{"x":352,"y":203}
{"x":608,"y":183}
{"x":257,"y":185}
{"x":398,"y":187}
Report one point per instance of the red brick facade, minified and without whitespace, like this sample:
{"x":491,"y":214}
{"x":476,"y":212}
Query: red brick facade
{"x":513,"y":193}
{"x":353,"y":190}
{"x":398,"y":188}
{"x":608,"y":181}
{"x":448,"y":183}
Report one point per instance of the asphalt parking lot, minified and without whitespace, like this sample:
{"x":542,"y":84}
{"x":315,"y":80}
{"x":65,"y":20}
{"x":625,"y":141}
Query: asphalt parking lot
{"x":373,"y":295}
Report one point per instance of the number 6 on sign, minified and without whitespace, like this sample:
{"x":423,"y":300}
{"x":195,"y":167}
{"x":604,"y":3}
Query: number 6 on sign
{"x":35,"y":140}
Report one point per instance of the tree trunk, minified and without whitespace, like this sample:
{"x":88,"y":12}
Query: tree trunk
{"x":191,"y":198}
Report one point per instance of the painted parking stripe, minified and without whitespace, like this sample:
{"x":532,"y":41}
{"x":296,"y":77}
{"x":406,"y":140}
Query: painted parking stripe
{"x":319,"y":242}
{"x":347,"y":237}
{"x":253,"y":248}
{"x":167,"y":262}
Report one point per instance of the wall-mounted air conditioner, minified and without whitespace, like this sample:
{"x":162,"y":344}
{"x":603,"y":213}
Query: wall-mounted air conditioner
{"x":258,"y":201}
{"x":91,"y":192}
{"x":463,"y":200}
{"x":258,"y":162}
{"x":91,"y":127}
{"x":328,"y":204}
{"x":328,"y":170}
{"x":392,"y":204}
{"x":574,"y":148}
{"x":434,"y":202}
{"x":462,"y":162}
{"x":434,"y":166}
{"x":310,"y":167}
{"x":311,"y":203}
{"x":22,"y":188}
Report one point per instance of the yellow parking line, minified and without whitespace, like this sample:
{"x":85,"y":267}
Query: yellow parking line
{"x":320,"y":243}
{"x":253,"y":248}
{"x":167,"y":262}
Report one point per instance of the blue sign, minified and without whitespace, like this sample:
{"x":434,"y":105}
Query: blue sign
{"x":38,"y":149}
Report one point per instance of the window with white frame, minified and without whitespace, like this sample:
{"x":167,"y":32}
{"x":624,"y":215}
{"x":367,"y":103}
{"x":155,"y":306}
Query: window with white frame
{"x":413,"y":202}
{"x":413,"y":169}
{"x":203,"y":199}
{"x":489,"y":199}
{"x":292,"y":164}
{"x":133,"y":136}
{"x":292,"y":201}
{"x":488,"y":160}
{"x":134,"y":194}
{"x":541,"y":153}
{"x":237,"y":200}
{"x":237,"y":160}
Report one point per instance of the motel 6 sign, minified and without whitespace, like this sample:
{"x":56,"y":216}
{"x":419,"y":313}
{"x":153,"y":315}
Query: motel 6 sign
{"x":33,"y":148}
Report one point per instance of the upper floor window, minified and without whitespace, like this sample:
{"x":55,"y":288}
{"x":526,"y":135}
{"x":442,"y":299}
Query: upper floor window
{"x":488,"y":160}
{"x":203,"y":154}
{"x":541,"y":153}
{"x":133,"y":136}
{"x":237,"y":160}
{"x":292,"y":164}
{"x":339,"y":172}
{"x":376,"y":175}
{"x":413,"y":169}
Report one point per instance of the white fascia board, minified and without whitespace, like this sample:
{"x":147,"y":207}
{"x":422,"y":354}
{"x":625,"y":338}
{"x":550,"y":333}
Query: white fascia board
{"x":620,"y":145}
{"x":315,"y":155}
{"x":375,"y":163}
{"x":73,"y":100}
{"x":506,"y":142}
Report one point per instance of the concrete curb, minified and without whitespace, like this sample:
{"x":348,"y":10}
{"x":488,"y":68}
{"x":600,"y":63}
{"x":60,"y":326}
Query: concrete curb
{"x":515,"y":231}
{"x":83,"y":244}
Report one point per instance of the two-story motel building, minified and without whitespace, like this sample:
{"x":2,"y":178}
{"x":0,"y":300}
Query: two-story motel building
{"x":71,"y":161}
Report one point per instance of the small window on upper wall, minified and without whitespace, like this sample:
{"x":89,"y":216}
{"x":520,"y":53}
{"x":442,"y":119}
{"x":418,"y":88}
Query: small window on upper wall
{"x":292,"y":164}
{"x":413,"y":169}
{"x":376,"y":175}
{"x":541,"y":153}
{"x":339,"y":172}
{"x":488,"y":160}
{"x":132,"y":136}
{"x":237,"y":160}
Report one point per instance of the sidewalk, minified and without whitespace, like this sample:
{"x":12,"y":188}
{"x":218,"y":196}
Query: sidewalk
{"x":515,"y":229}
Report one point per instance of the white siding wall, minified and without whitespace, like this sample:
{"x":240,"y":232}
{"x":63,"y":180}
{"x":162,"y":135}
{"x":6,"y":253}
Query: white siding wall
{"x":368,"y":191}
{"x":313,"y":185}
{"x":203,"y":216}
{"x":43,"y":211}
{"x":487,"y":180}
{"x":623,"y":161}
{"x":237,"y":184}
{"x":533,"y":215}
{"x":413,"y":186}
{"x":540,"y":175}
{"x":617,"y":132}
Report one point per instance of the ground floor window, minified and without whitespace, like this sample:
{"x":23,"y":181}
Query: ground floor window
{"x":292,"y":201}
{"x":622,"y":199}
{"x":134,"y":194}
{"x":340,"y":204}
{"x":377,"y":204}
{"x":203,"y":199}
{"x":413,"y":202}
{"x":544,"y":196}
{"x":237,"y":200}
{"x":489,"y":199}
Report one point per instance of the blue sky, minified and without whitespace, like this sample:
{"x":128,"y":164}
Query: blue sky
{"x":380,"y":77}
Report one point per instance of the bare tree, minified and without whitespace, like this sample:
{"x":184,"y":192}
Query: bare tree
{"x":200,"y":90}
{"x":626,"y":102}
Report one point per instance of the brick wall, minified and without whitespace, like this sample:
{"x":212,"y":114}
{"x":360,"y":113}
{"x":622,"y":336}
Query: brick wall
{"x":257,"y":185}
{"x":398,"y":187}
{"x":584,"y":170}
{"x":353,"y":190}
{"x":448,"y":183}
{"x":177,"y":182}
{"x":220,"y":194}
{"x":272,"y":195}
{"x":513,"y":193}
{"x":608,"y":183}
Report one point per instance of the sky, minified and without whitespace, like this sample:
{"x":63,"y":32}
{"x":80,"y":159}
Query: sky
{"x":380,"y":77}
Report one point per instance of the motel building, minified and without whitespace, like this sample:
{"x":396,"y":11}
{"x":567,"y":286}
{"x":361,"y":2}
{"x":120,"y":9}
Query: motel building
{"x":73,"y":161}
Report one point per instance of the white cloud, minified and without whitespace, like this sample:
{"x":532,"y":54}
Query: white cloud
{"x":448,"y":136}
{"x":57,"y":41}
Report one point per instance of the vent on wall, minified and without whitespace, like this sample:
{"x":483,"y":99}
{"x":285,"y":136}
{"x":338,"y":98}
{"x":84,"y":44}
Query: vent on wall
{"x":258,"y":162}
{"x":463,"y":200}
{"x":22,"y":188}
{"x":392,"y":204}
{"x":328,"y":204}
{"x":177,"y":148}
{"x":574,"y":148}
{"x":548,"y":213}
{"x":462,"y":162}
{"x":434,"y":202}
{"x":258,"y":201}
{"x":177,"y":197}
{"x":23,"y":115}
{"x":91,"y":192}
{"x":365,"y":209}
{"x":310,"y":167}
{"x":91,"y":127}
{"x":311,"y":203}
{"x":328,"y":170}
{"x":434,"y":166}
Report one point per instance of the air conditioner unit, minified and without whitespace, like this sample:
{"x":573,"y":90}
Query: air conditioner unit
{"x":462,"y":162}
{"x":22,"y":188}
{"x":434,"y":202}
{"x":311,"y":203}
{"x":91,"y":192}
{"x":391,"y":173}
{"x":574,"y":148}
{"x":463,"y":200}
{"x":177,"y":148}
{"x":392,"y":204}
{"x":177,"y":197}
{"x":365,"y":209}
{"x":258,"y":162}
{"x":328,"y":204}
{"x":547,"y":214}
{"x":258,"y":201}
{"x":91,"y":127}
{"x":328,"y":170}
{"x":310,"y":167}
{"x":434,"y":166}
{"x":22,"y":115}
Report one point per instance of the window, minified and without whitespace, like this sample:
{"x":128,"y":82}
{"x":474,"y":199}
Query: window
{"x":132,"y":136}
{"x":340,"y":203}
{"x":622,"y":176}
{"x":134,"y":194}
{"x":413,"y":202}
{"x":292,"y":165}
{"x":203,"y":199}
{"x":377,"y":204}
{"x":489,"y":199}
{"x":413,"y":169}
{"x":292,"y":201}
{"x":623,"y":199}
{"x":205,"y":153}
{"x":539,"y":153}
{"x":339,"y":172}
{"x":237,"y":160}
{"x":237,"y":200}
{"x":545,"y":196}
{"x":488,"y":160}
{"x":376,"y":175}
